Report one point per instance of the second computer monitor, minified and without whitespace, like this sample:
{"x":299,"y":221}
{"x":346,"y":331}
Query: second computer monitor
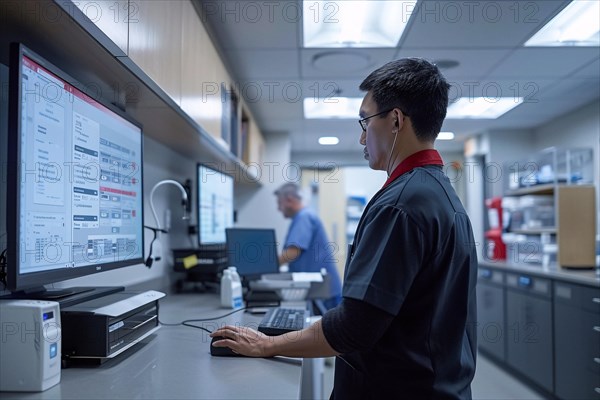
{"x":215,"y":206}
{"x":252,"y":251}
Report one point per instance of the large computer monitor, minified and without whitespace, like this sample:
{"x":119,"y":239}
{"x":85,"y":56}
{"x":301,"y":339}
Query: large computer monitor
{"x":74,"y":190}
{"x":215,"y":206}
{"x":252,"y":251}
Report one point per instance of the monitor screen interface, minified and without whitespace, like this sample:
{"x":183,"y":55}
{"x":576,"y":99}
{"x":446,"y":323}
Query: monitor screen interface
{"x":252,"y":251}
{"x":78,"y":180}
{"x":215,"y":205}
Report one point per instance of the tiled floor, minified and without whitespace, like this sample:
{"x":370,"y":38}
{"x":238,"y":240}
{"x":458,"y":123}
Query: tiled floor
{"x":490,"y":383}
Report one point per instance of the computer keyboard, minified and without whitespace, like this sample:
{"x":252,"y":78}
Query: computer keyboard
{"x":281,"y":320}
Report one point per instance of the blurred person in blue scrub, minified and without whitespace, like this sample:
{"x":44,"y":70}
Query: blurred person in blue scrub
{"x":405,"y":328}
{"x":306,"y":247}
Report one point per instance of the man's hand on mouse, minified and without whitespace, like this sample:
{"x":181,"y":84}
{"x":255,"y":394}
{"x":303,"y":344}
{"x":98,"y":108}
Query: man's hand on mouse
{"x":244,"y":340}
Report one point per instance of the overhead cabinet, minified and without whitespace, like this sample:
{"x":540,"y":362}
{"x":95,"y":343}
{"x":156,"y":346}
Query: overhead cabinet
{"x":152,"y":59}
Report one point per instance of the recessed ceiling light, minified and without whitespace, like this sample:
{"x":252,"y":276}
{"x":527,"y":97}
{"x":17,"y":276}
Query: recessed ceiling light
{"x":328,"y":140}
{"x":445,"y":136}
{"x":481,"y":107}
{"x":576,"y":25}
{"x":338,"y":61}
{"x":332,"y":108}
{"x":355,"y":23}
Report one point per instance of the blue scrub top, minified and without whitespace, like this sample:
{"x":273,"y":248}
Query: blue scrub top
{"x":307,"y":233}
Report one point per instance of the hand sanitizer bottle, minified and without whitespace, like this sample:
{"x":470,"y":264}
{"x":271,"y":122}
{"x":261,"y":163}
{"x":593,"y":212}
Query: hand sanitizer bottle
{"x":226,"y":289}
{"x":236,"y":288}
{"x":231,"y":289}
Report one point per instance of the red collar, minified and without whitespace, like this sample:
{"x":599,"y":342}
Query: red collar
{"x":418,"y":159}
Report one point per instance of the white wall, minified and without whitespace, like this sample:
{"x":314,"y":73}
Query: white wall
{"x":457,"y":177}
{"x":580,"y":128}
{"x":485,"y":159}
{"x":355,"y":157}
{"x":257,"y":206}
{"x":473,"y":174}
{"x":505,"y":148}
{"x":363,"y":181}
{"x":159,"y":163}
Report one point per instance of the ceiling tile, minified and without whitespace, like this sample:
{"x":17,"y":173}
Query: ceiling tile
{"x":366,"y":61}
{"x":493,"y":89}
{"x":569,"y":90}
{"x":274,"y":73}
{"x":482,"y":24}
{"x":533,"y":63}
{"x":592,"y":70}
{"x":472,"y":63}
{"x":326,"y":89}
{"x":265,"y":64}
{"x":271,"y":90}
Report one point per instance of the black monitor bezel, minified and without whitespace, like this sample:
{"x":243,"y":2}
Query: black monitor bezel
{"x":254,"y":275}
{"x":212,"y":167}
{"x":15,"y":280}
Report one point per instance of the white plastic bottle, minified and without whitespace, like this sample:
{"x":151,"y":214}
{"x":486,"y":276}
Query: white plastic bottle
{"x":231,"y":289}
{"x":234,"y":275}
{"x":236,"y":288}
{"x":226,"y":289}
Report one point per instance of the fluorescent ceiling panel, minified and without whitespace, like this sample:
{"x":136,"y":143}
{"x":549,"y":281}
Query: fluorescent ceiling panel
{"x":481,"y":107}
{"x":578,"y":24}
{"x":328,"y":140}
{"x":332,"y":107}
{"x":445,"y":136}
{"x":355,"y":23}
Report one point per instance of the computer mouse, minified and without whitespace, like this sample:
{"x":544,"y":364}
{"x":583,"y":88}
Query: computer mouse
{"x":222,"y":351}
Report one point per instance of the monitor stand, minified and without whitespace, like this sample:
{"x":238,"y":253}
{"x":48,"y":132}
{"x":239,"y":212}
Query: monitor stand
{"x":66,"y":296}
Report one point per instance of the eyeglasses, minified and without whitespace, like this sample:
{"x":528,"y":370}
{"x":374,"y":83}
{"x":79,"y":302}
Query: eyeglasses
{"x":362,"y":122}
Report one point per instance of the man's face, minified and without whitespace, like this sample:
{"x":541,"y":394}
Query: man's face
{"x":378,"y":136}
{"x":284,"y":205}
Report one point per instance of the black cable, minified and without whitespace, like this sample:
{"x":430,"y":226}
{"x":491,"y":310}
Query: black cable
{"x":156,"y":229}
{"x":164,"y":324}
{"x":3,"y":268}
{"x":149,"y":259}
{"x":214,"y":318}
{"x":196,"y":326}
{"x":188,"y":324}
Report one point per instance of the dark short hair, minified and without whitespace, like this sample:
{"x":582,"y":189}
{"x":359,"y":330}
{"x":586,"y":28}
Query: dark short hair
{"x":415,"y":86}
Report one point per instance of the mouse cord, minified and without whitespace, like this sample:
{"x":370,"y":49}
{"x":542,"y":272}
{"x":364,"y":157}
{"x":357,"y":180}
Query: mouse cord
{"x":188,"y":324}
{"x":195,"y":326}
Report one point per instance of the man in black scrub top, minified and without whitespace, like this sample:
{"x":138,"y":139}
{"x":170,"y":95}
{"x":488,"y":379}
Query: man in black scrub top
{"x":405,"y":326}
